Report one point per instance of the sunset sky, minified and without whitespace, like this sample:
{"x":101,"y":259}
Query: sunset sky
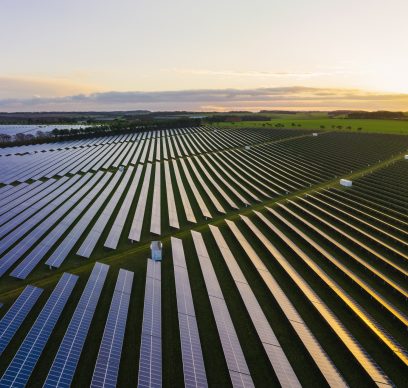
{"x":203,"y":55}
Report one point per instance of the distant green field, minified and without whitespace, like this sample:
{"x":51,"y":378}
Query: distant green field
{"x":377,"y":126}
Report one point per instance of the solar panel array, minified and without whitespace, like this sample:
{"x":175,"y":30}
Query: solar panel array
{"x":193,"y":363}
{"x":273,"y":349}
{"x":351,"y":242}
{"x":342,"y":332}
{"x":19,"y":370}
{"x":150,"y":360}
{"x":234,"y":356}
{"x":65,"y":362}
{"x":107,"y":364}
{"x":322,"y":360}
{"x":15,"y":316}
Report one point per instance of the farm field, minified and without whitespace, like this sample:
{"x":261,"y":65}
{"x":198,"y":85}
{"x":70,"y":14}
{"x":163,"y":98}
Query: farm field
{"x":366,"y":125}
{"x":272,"y":275}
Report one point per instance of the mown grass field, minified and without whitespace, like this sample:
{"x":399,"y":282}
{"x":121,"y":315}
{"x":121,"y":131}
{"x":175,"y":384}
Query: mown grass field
{"x":374,"y":126}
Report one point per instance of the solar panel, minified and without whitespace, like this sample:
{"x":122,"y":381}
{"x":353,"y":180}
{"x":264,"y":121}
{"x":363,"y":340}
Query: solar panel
{"x":19,"y":370}
{"x":47,"y":221}
{"x":222,"y":179}
{"x":110,"y":351}
{"x":201,"y":203}
{"x":137,"y":223}
{"x":204,"y":185}
{"x":35,"y":207}
{"x":65,"y":362}
{"x":322,"y":360}
{"x":193,"y":363}
{"x":113,"y":238}
{"x":184,"y":197}
{"x":144,"y":152}
{"x":343,"y":333}
{"x":99,"y":197}
{"x":155,"y":225}
{"x":365,"y":286}
{"x":233,"y":353}
{"x":15,"y":316}
{"x":150,"y":362}
{"x":29,"y":192}
{"x":171,"y":203}
{"x":94,"y":235}
{"x":151,"y":152}
{"x":277,"y":357}
{"x":215,"y":184}
{"x":33,"y":258}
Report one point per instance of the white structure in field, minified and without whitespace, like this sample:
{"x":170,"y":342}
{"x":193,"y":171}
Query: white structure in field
{"x":156,"y":248}
{"x":406,"y":157}
{"x":315,"y":133}
{"x":346,"y":183}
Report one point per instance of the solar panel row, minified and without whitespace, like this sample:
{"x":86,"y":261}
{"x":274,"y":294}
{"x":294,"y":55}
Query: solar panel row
{"x":137,"y":223}
{"x":171,"y":203}
{"x":184,"y":197}
{"x":150,"y":361}
{"x":15,"y":316}
{"x":234,"y":356}
{"x":155,"y":224}
{"x":193,"y":362}
{"x":113,"y":237}
{"x":107,"y":364}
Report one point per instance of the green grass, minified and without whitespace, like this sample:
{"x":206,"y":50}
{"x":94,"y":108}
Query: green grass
{"x":374,"y":126}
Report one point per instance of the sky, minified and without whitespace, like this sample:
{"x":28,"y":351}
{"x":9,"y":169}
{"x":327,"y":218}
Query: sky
{"x":203,"y":55}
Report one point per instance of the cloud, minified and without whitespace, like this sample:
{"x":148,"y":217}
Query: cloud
{"x":13,"y":87}
{"x":295,"y":97}
{"x":261,"y":74}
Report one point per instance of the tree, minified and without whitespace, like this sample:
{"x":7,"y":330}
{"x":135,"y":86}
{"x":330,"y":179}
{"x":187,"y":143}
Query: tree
{"x":4,"y":138}
{"x":20,"y":136}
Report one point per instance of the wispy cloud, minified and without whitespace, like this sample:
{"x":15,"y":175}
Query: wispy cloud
{"x":261,"y":74}
{"x":296,"y":97}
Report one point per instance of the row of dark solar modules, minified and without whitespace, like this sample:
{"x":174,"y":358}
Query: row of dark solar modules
{"x":129,"y":149}
{"x":43,"y":211}
{"x":60,"y":162}
{"x":278,"y":223}
{"x":66,"y":360}
{"x":106,"y":369}
{"x":30,"y":198}
{"x":59,"y":145}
